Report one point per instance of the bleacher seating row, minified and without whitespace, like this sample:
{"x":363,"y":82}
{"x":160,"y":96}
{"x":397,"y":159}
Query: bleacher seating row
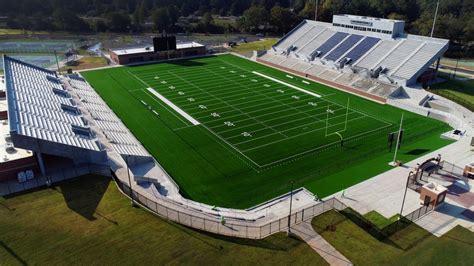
{"x":401,"y":58}
{"x":41,"y":108}
{"x":106,"y":120}
{"x":352,"y":80}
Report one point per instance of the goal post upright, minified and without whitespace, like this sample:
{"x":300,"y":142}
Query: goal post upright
{"x":327,"y":120}
{"x":394,"y":162}
{"x":347,"y":115}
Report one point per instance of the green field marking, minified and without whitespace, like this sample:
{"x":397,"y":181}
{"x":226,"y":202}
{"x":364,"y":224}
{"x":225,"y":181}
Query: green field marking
{"x":255,"y":134}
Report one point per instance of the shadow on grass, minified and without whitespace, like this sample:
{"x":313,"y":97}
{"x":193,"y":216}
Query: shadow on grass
{"x":403,"y":236}
{"x":184,"y":62}
{"x":81,"y":194}
{"x":11,"y":252}
{"x":84,"y":196}
{"x":417,"y":152}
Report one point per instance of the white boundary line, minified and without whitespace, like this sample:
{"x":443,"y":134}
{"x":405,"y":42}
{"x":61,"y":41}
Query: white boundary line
{"x":176,"y":108}
{"x":287,"y":84}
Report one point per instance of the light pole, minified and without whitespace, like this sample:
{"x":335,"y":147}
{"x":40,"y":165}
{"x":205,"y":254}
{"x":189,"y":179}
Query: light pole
{"x":291,"y":203}
{"x":129,"y":180}
{"x":434,"y":19}
{"x":316,"y":10}
{"x":57,"y":62}
{"x":405,"y":194}
{"x":455,"y":69}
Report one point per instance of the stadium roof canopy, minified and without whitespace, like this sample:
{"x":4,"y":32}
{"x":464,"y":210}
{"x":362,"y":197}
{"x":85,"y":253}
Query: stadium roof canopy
{"x":150,"y":49}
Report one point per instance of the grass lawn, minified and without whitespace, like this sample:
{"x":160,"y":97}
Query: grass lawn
{"x":19,"y":31}
{"x":410,"y":246}
{"x":256,"y":131}
{"x":87,"y":221}
{"x":467,"y":64}
{"x":263,"y":44}
{"x":460,"y":91}
{"x":379,"y":220}
{"x":87,"y":62}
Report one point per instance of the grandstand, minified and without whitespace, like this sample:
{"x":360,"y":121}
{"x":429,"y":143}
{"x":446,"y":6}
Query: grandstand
{"x":373,"y":57}
{"x":63,"y":122}
{"x":105,"y":120}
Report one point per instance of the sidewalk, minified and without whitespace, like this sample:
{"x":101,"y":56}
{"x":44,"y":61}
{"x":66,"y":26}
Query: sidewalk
{"x":319,"y":244}
{"x":384,"y":192}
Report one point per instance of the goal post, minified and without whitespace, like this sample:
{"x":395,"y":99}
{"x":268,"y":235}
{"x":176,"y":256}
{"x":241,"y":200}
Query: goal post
{"x":346,"y":119}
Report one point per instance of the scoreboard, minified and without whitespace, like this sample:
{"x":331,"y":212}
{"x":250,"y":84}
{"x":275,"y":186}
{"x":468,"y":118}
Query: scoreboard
{"x":164,"y":43}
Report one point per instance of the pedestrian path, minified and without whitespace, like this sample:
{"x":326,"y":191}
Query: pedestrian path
{"x":319,"y":244}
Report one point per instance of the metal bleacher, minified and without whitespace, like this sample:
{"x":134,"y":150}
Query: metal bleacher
{"x":330,"y":43}
{"x":307,"y":36}
{"x":105,"y":119}
{"x":369,"y":60}
{"x":288,"y":40}
{"x":417,"y":60}
{"x":40,"y":108}
{"x":395,"y":56}
{"x":365,"y":56}
{"x":360,"y":49}
{"x":310,"y":47}
{"x":343,"y":47}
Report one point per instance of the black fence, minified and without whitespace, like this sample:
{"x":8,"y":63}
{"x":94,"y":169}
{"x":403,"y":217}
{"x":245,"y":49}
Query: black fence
{"x":455,"y":98}
{"x":188,"y":216}
{"x":384,"y":233}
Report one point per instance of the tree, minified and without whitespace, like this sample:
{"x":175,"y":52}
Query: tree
{"x":396,"y":16}
{"x":282,"y":19}
{"x":207,"y":19}
{"x":68,"y":21}
{"x":160,"y":19}
{"x":140,"y":13}
{"x":255,"y":18}
{"x":469,"y":30}
{"x":118,"y":21}
{"x":99,"y":25}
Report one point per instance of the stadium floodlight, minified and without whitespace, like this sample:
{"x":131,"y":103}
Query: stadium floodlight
{"x":434,"y":19}
{"x":394,"y":162}
{"x":292,"y":182}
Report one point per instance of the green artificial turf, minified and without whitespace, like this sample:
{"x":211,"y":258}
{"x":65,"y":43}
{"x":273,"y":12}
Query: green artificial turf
{"x":87,"y":221}
{"x":256,"y":135}
{"x":410,"y":246}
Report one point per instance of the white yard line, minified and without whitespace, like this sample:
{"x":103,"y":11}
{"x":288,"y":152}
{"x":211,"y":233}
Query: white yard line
{"x":176,"y":108}
{"x":297,"y":135}
{"x":287,"y":84}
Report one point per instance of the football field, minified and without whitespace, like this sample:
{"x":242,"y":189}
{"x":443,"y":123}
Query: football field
{"x":234,"y":132}
{"x":263,"y":119}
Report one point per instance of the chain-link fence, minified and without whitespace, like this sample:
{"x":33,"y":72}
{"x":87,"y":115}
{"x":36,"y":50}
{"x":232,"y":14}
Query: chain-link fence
{"x":244,"y":229}
{"x":420,"y":212}
{"x":449,"y":168}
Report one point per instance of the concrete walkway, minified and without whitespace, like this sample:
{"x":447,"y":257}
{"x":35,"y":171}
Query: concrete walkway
{"x":319,"y":244}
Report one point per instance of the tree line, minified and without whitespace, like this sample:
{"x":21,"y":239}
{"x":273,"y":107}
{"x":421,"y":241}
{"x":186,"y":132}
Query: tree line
{"x":455,"y":17}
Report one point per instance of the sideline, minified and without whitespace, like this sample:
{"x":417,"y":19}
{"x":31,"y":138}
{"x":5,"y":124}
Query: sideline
{"x":287,"y":84}
{"x":176,"y":108}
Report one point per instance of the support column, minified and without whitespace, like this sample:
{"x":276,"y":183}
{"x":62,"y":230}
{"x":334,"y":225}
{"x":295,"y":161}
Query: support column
{"x":41,"y":163}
